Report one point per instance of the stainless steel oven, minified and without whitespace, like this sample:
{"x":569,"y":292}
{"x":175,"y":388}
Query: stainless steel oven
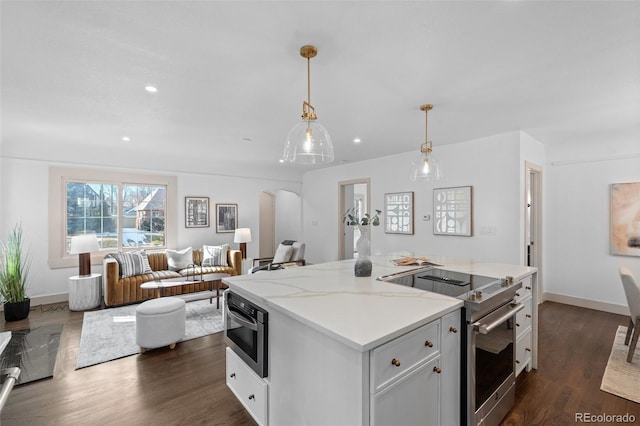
{"x":246,"y":331}
{"x":491,"y":375}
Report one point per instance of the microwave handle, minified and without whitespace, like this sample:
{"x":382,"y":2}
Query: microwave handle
{"x":487,"y":328}
{"x":251,"y":325}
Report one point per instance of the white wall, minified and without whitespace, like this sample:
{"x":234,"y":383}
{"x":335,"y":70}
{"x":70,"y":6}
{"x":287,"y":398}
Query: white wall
{"x":491,"y":165}
{"x":577,"y":257}
{"x":24,"y":199}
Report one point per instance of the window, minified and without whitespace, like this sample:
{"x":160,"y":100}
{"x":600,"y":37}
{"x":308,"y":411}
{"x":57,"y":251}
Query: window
{"x":123,"y":215}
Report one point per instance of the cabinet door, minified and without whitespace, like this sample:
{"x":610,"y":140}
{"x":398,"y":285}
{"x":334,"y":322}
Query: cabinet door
{"x":450,"y":349}
{"x":412,"y":400}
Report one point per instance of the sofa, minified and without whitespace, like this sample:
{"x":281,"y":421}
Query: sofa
{"x":123,"y":290}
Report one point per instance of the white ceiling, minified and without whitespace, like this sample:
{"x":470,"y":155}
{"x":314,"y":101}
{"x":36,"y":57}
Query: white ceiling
{"x":73,"y":75}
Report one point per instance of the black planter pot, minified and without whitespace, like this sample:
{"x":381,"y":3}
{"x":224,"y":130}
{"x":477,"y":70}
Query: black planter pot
{"x":17,"y":311}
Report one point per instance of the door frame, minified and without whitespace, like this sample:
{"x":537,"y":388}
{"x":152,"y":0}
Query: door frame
{"x":342,"y":208}
{"x":534,"y":172}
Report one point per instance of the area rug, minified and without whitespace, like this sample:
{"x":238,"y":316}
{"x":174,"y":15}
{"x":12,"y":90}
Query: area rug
{"x":620,"y":377}
{"x":34,"y":351}
{"x":110,"y":334}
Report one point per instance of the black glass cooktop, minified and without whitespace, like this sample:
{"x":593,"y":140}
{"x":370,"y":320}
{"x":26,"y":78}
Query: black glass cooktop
{"x":445,"y":282}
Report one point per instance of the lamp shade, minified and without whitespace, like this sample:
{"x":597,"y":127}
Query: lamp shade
{"x":308,"y":143}
{"x":425,"y":167}
{"x":242,"y":235}
{"x":85,"y":243}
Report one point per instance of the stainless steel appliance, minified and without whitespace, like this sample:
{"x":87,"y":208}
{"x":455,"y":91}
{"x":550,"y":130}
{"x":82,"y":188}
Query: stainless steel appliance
{"x":488,"y":358}
{"x":246,"y":331}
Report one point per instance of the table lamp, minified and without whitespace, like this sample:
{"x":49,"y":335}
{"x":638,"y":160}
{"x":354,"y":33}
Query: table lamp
{"x":83,"y":245}
{"x":242,"y":236}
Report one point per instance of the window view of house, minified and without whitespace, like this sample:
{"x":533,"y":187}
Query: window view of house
{"x":95,"y":208}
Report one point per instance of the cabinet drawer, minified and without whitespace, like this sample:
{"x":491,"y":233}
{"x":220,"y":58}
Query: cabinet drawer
{"x":248,"y":387}
{"x":404,"y":353}
{"x":523,"y":352}
{"x":525,"y":291}
{"x":524,"y":318}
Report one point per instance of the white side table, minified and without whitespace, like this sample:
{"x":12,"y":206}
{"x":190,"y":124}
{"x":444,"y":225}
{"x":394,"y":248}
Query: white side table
{"x":84,"y":292}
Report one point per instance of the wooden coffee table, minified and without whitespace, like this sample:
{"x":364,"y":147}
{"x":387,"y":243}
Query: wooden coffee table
{"x":212,"y":279}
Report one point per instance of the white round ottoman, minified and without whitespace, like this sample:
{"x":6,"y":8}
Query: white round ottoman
{"x":160,"y":322}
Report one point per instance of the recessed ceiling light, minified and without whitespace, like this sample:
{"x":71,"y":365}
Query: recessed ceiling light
{"x":281,"y":160}
{"x":151,"y":89}
{"x":126,"y":139}
{"x":356,"y":140}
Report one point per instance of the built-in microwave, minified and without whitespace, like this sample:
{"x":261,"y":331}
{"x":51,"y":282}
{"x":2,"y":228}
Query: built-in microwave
{"x":246,"y":331}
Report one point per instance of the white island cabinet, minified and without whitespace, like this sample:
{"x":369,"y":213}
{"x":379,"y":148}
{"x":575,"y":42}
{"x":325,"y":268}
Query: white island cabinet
{"x":358,"y":351}
{"x":352,"y":351}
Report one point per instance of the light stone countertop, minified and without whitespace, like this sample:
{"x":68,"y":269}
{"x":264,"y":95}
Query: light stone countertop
{"x":362,"y":313}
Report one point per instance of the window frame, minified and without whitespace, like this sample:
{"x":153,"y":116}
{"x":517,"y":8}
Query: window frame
{"x":58,"y":179}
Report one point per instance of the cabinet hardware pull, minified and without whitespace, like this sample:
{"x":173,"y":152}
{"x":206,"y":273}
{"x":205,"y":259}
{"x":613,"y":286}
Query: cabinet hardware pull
{"x":517,"y":362}
{"x":517,"y":294}
{"x":232,"y":375}
{"x":252,"y":396}
{"x":517,"y":325}
{"x":528,"y":288}
{"x":395,"y":362}
{"x":528,"y":316}
{"x":453,"y":329}
{"x":428,"y":343}
{"x":437,"y":370}
{"x":527,"y":349}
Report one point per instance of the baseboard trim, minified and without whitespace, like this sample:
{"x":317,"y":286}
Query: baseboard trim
{"x":586,"y":303}
{"x":46,"y":300}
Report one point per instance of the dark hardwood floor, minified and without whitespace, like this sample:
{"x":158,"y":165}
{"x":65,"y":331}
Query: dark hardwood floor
{"x":187,"y":386}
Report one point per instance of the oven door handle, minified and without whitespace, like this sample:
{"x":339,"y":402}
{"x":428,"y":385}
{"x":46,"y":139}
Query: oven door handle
{"x":251,"y":325}
{"x":512,"y":309}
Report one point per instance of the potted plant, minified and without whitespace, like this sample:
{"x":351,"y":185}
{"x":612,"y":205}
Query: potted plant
{"x":363,"y":264}
{"x":14,"y":269}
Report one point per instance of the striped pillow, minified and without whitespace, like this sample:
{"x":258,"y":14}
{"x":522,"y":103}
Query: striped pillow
{"x":215,"y":255}
{"x":146,"y":267}
{"x":130,"y":263}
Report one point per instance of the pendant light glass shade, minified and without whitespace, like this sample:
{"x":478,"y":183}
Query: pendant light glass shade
{"x":426,"y":166}
{"x":308,"y":142}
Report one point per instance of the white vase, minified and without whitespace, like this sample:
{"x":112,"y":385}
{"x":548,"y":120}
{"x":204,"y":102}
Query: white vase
{"x":363,"y":265}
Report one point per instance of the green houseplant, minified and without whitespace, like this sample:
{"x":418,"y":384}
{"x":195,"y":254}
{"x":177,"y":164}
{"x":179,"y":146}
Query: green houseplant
{"x":363,"y":266}
{"x":14,"y":269}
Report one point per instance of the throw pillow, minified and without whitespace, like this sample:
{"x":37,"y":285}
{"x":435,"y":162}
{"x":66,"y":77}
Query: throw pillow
{"x":178,"y":260}
{"x":215,"y":255}
{"x":283,"y":254}
{"x":131,"y":264}
{"x":145,"y":261}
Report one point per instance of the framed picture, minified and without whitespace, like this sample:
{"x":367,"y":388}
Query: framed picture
{"x":226,"y":217}
{"x":398,"y":213}
{"x":196,"y":212}
{"x":625,"y":219}
{"x":452,"y":211}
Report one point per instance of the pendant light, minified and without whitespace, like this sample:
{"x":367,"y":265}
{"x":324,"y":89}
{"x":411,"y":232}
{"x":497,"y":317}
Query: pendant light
{"x":308,"y":142}
{"x":426,"y":166}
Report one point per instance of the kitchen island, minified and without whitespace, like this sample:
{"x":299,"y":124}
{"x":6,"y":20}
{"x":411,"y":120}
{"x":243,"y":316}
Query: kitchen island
{"x":347,"y":350}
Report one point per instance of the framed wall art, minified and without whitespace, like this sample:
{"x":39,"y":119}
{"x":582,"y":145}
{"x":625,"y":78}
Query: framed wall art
{"x":452,"y":211}
{"x":398,"y":213}
{"x":625,"y":219}
{"x":196,"y":212}
{"x":226,"y":217}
